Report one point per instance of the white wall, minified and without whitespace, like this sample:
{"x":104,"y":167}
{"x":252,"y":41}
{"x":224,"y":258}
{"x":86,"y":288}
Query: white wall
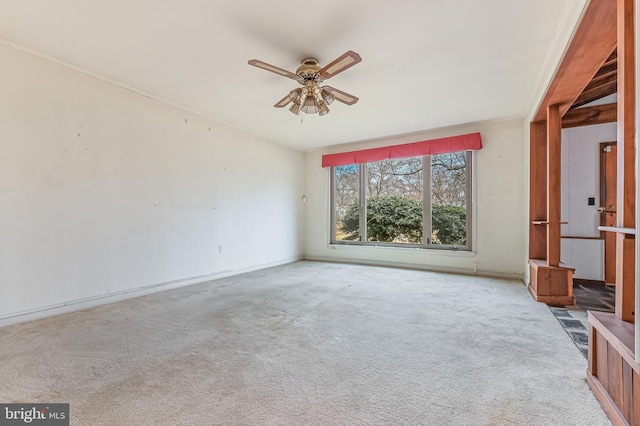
{"x":498,"y":228}
{"x":104,"y":191}
{"x":581,"y":180}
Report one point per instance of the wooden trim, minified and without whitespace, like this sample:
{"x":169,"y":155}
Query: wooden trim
{"x":587,"y":116}
{"x":577,"y":237}
{"x":592,"y":358}
{"x":609,"y":66}
{"x":627,"y":390}
{"x":543,"y":263}
{"x":606,"y":73}
{"x":625,"y":276}
{"x":636,"y":398}
{"x":592,"y":44}
{"x":614,"y":414}
{"x":594,"y":93}
{"x":552,"y":300}
{"x":626,"y":115}
{"x":608,"y":164}
{"x":554,"y":153}
{"x":626,"y":183}
{"x":538,"y":189}
{"x":603,"y":79}
{"x":545,"y":222}
{"x":620,"y":334}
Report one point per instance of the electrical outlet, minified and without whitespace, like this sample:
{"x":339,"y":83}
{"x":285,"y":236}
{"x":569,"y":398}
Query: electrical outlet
{"x":220,"y":249}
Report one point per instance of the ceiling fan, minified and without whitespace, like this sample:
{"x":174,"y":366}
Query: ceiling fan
{"x":313,"y":98}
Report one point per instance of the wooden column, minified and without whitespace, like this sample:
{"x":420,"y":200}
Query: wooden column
{"x":551,"y":282}
{"x":538,"y":191}
{"x":626,"y":186}
{"x":554,"y":152}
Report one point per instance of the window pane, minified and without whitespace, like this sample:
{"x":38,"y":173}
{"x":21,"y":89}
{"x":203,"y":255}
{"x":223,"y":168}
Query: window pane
{"x":347,"y":201}
{"x":394,"y":200}
{"x":449,"y":199}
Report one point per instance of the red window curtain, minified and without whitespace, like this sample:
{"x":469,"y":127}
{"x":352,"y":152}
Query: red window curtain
{"x":469,"y":142}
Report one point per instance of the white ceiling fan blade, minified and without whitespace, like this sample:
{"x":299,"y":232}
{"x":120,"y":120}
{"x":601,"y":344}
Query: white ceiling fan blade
{"x":341,"y":96}
{"x":344,"y":62}
{"x":272,"y":68}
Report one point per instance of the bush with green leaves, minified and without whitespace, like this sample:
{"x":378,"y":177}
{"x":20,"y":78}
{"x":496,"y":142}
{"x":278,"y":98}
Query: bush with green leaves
{"x":399,"y":219}
{"x":449,"y":225}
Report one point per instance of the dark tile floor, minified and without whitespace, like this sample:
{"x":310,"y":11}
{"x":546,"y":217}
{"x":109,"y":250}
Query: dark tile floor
{"x":590,"y":295}
{"x":594,"y":295}
{"x":575,"y":328}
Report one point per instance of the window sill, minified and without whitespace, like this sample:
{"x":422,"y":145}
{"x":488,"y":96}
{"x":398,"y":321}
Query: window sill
{"x":426,"y":250}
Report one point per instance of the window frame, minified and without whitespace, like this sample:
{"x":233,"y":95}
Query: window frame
{"x":427,"y":222}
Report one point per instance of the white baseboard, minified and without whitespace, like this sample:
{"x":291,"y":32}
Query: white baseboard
{"x":103,"y":299}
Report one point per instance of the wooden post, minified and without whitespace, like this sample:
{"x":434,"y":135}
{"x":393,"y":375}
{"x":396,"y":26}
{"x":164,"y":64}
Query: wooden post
{"x":554,"y":152}
{"x":538,"y":190}
{"x":550,"y":281}
{"x":626,"y":208}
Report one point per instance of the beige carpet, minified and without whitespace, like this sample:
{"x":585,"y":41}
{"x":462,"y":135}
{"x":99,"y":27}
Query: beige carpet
{"x":308,"y":344}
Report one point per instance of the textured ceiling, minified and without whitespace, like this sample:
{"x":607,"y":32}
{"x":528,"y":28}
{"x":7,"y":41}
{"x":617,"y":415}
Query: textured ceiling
{"x":425,"y":64}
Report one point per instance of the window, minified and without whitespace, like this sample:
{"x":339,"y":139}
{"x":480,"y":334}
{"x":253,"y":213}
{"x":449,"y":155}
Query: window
{"x":419,"y":201}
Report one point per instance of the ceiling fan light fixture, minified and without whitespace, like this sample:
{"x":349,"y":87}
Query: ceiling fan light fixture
{"x":313,"y":99}
{"x":326,"y":96}
{"x":295,"y":94}
{"x":295,"y":108}
{"x":310,"y":105}
{"x":322,"y":108}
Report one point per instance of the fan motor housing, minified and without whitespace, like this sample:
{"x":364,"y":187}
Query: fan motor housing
{"x":309,"y":69}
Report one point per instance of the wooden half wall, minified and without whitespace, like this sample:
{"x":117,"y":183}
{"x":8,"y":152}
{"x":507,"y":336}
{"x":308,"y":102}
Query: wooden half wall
{"x":613,"y":373}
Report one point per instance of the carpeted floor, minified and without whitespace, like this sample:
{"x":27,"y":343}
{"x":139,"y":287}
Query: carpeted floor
{"x":308,"y":343}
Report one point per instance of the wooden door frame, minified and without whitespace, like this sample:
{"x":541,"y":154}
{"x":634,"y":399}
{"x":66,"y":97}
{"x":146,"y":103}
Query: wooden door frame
{"x":607,"y":237}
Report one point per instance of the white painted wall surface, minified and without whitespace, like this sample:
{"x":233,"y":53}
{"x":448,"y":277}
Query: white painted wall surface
{"x":581,"y":180}
{"x":498,"y":227}
{"x":104,"y":191}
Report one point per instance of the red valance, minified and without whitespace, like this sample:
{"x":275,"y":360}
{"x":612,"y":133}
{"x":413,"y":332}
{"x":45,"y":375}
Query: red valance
{"x":472,"y":141}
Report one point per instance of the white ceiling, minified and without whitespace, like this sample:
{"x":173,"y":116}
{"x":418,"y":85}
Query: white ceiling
{"x":425,"y":63}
